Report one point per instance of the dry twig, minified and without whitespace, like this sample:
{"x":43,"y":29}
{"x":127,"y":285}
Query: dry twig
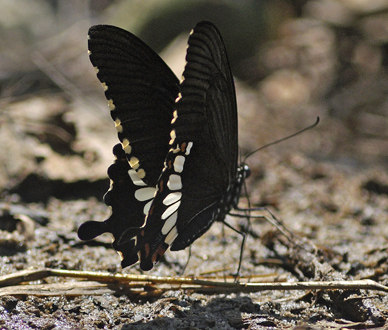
{"x":157,"y":284}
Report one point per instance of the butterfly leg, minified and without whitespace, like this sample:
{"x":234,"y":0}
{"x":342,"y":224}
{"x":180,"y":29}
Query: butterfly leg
{"x":272,"y":219}
{"x":243,"y":235}
{"x":187,"y":262}
{"x":247,"y":214}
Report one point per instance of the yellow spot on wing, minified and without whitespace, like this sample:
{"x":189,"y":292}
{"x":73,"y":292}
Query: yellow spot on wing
{"x":125,"y":142}
{"x":141,"y":173}
{"x":134,"y":162}
{"x":175,"y":116}
{"x":111,"y":105}
{"x":119,"y":128}
{"x":178,"y":98}
{"x":173,"y":136}
{"x":126,"y":146}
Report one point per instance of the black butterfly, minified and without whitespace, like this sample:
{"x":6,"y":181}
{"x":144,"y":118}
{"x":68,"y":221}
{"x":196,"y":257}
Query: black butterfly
{"x":176,"y":169}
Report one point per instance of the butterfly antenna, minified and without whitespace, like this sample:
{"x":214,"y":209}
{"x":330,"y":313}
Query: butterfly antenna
{"x":248,"y":210}
{"x":283,"y":139}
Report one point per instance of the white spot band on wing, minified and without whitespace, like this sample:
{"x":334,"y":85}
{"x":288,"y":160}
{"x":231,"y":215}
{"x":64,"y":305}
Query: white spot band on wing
{"x":174,"y":182}
{"x":144,"y":194}
{"x":172,"y":198}
{"x":188,"y":149}
{"x":170,"y":210}
{"x":178,"y":163}
{"x":170,"y":222}
{"x":171,"y":236}
{"x":137,"y":181}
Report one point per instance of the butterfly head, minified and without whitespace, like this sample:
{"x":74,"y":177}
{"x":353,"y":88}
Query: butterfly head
{"x":246,"y":171}
{"x":243,"y":172}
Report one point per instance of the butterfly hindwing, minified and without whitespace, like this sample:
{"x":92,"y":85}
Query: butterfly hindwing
{"x":201,"y":166}
{"x":141,"y":90}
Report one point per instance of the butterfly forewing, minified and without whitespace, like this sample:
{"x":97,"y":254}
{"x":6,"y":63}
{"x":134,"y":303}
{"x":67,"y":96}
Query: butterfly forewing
{"x":202,"y":162}
{"x":141,"y":90}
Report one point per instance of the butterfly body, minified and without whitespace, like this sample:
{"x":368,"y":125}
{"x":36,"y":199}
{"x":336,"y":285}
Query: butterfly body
{"x":176,"y":170}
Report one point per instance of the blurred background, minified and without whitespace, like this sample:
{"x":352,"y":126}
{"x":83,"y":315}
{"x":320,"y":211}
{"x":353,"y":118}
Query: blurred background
{"x":292,"y":61}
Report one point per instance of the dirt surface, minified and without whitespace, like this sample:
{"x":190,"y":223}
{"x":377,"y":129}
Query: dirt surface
{"x":328,"y":187}
{"x":342,"y":212}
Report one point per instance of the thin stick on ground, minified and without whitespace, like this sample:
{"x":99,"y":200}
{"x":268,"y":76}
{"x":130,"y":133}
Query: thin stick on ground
{"x":186,"y":283}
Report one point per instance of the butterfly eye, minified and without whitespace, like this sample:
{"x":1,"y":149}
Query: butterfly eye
{"x":247,"y":171}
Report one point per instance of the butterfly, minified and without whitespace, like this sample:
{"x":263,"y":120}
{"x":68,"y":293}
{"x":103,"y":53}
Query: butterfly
{"x":176,"y":168}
